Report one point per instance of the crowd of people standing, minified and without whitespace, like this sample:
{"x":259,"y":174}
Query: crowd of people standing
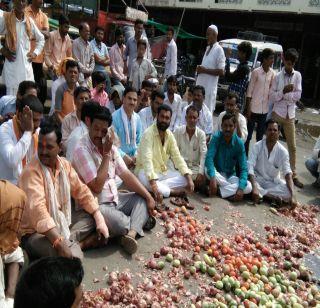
{"x":114,"y":145}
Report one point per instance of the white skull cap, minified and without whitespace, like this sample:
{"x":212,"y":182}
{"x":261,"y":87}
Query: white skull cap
{"x":214,"y":28}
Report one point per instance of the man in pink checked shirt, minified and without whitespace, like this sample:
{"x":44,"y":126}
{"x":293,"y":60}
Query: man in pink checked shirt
{"x":284,"y":93}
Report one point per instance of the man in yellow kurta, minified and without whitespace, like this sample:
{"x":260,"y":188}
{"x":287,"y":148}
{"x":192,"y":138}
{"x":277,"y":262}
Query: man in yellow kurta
{"x":157,"y":146}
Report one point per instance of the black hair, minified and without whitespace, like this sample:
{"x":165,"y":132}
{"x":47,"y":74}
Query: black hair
{"x":232,"y":95}
{"x":157,"y":93}
{"x":118,"y":32}
{"x":246,"y":47}
{"x":82,"y":24}
{"x":267,"y":53}
{"x":25,"y":85}
{"x":89,"y":108}
{"x":142,"y":42}
{"x":171,"y":29}
{"x":191,"y":89}
{"x":199,"y":88}
{"x":128,"y":90}
{"x":138,"y":22}
{"x":72,"y":63}
{"x":271,"y":121}
{"x":79,"y":90}
{"x":192,"y":108}
{"x":102,"y":114}
{"x":165,"y":108}
{"x":172,"y":79}
{"x":98,"y":28}
{"x":229,"y":116}
{"x":291,"y":55}
{"x":146,"y":84}
{"x":49,"y":282}
{"x":63,"y":20}
{"x":32,"y":102}
{"x":98,"y":77}
{"x":50,"y":125}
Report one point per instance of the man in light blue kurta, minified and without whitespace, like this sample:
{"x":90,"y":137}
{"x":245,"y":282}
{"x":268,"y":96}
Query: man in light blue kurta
{"x":127,"y":124}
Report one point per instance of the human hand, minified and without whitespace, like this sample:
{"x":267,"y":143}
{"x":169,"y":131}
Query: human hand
{"x":26,"y":121}
{"x":124,"y":81}
{"x":154,"y":188}
{"x":151,"y":206}
{"x":293,"y":202}
{"x":190,"y":184}
{"x":255,"y":195}
{"x":101,"y":226}
{"x":31,"y":56}
{"x":238,"y":196}
{"x":288,"y":88}
{"x":108,"y":142}
{"x":10,"y":56}
{"x":129,"y":161}
{"x":64,"y":250}
{"x":213,"y":187}
{"x":200,"y":69}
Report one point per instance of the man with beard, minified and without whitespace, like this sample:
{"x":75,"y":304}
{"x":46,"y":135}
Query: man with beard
{"x":231,"y":106}
{"x":157,"y":146}
{"x":267,"y":159}
{"x":225,"y":155}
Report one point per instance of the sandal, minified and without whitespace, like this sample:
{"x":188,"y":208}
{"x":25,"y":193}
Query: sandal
{"x":150,"y":224}
{"x":129,"y":244}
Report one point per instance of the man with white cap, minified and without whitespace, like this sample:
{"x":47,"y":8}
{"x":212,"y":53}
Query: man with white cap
{"x":212,"y":66}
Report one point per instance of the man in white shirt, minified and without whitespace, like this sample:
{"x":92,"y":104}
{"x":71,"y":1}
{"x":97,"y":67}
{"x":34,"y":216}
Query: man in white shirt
{"x":18,"y":138}
{"x":313,"y":165}
{"x":212,"y":66}
{"x":175,"y":102}
{"x":191,"y":141}
{"x":205,"y":121}
{"x":148,"y":115}
{"x":19,"y":30}
{"x":231,"y":106}
{"x":267,"y":159}
{"x":171,"y":55}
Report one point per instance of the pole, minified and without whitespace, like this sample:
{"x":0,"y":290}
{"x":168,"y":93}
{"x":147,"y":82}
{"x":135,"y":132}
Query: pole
{"x":184,"y":10}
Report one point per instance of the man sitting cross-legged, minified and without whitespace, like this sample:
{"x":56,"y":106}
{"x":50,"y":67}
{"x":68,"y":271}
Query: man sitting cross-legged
{"x":267,"y":158}
{"x":191,"y":141}
{"x":157,"y":146}
{"x":225,"y":155}
{"x":49,"y":182}
{"x":98,"y":163}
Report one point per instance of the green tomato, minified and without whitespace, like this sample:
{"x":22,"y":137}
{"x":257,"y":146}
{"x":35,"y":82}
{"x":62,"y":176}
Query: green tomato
{"x":219,"y":285}
{"x":254,"y":269}
{"x":176,"y":263}
{"x":227,"y":286}
{"x":293,"y":276}
{"x":203,"y":267}
{"x":160,"y":265}
{"x":211,"y":271}
{"x":169,"y":257}
{"x":245,"y":275}
{"x":192,"y":269}
{"x":263,"y":271}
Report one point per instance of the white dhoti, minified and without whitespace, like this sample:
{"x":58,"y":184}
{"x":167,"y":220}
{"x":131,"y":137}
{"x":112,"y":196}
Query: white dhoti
{"x":277,"y":189}
{"x":170,"y":180}
{"x":229,"y":186}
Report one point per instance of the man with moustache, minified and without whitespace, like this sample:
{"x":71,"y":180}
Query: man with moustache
{"x":157,"y":146}
{"x":225,"y":155}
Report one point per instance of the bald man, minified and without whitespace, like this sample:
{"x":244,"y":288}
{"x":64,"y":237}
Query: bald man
{"x":212,"y":66}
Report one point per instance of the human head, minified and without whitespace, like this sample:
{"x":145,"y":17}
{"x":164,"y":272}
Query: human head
{"x":72,"y":72}
{"x":138,"y":28}
{"x":198,"y":95}
{"x":130,"y":100}
{"x":190,"y":95}
{"x":49,"y":145}
{"x":170,"y":34}
{"x":212,"y":34}
{"x":64,"y":25}
{"x":50,"y":282}
{"x":272,"y":131}
{"x":244,"y":51}
{"x":192,"y":116}
{"x":81,"y":95}
{"x":231,"y":101}
{"x":84,"y":31}
{"x":100,"y":123}
{"x":116,"y":95}
{"x":228,"y":124}
{"x":290,"y":58}
{"x":267,"y":57}
{"x":19,"y":6}
{"x":37,"y":3}
{"x":89,"y":108}
{"x":35,"y":106}
{"x":164,"y":117}
{"x":141,"y":48}
{"x":99,"y":80}
{"x":99,"y":34}
{"x":147,"y":86}
{"x":119,"y":37}
{"x":157,"y":99}
{"x":172,"y":84}
{"x":27,"y":87}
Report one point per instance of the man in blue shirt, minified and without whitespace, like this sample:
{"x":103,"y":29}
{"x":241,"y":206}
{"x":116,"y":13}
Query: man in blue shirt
{"x":226,"y":155}
{"x":101,"y":55}
{"x":128,"y":127}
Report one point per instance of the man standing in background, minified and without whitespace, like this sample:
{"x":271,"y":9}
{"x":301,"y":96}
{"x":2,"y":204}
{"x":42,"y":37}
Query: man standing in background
{"x":171,"y":55}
